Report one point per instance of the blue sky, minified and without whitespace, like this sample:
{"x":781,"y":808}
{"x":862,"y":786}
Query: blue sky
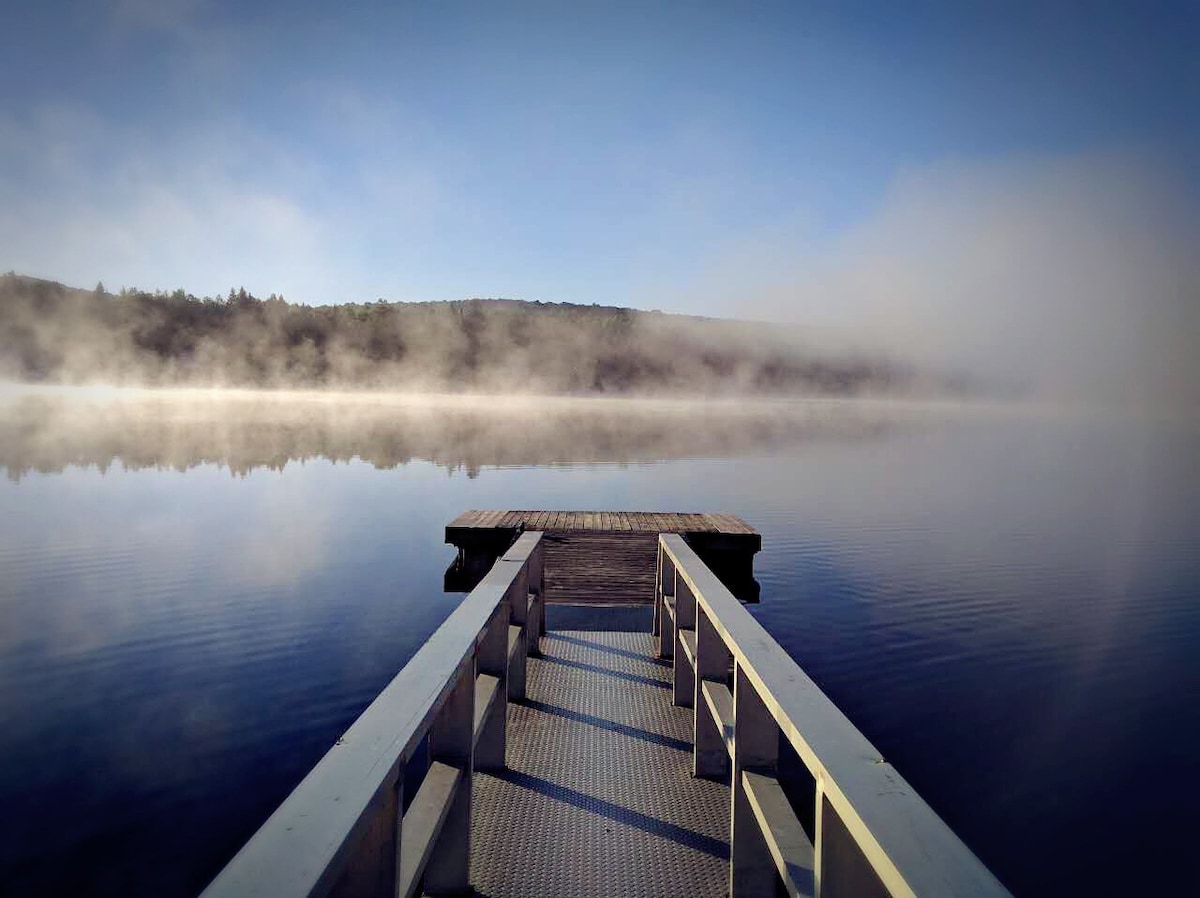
{"x":725,"y":159}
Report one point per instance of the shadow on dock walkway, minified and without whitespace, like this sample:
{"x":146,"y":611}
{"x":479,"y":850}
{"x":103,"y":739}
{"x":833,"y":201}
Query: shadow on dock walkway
{"x":599,"y":798}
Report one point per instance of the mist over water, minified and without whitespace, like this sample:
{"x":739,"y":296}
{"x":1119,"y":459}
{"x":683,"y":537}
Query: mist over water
{"x":201,"y":591}
{"x":47,"y":430}
{"x":1069,"y":277}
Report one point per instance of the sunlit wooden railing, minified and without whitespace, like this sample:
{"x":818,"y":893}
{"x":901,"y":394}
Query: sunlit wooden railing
{"x":342,"y":831}
{"x":815,"y":807}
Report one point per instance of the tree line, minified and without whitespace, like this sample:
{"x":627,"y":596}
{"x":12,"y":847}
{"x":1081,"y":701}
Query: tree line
{"x":52,"y":333}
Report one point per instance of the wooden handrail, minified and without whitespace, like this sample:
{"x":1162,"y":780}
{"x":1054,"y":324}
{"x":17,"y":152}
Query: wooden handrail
{"x":873,"y":833}
{"x":339,"y":832}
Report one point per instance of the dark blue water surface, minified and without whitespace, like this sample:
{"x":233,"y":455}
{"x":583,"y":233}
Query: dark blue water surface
{"x":195,"y":602}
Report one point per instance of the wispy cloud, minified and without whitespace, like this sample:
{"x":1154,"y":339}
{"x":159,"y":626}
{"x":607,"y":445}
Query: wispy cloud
{"x":84,"y":201}
{"x":172,"y":16}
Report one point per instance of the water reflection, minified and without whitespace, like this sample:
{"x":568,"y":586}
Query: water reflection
{"x":47,"y":432}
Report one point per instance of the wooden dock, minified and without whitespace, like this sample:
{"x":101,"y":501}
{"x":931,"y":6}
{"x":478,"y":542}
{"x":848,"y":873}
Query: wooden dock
{"x":512,"y":759}
{"x":603,"y":557}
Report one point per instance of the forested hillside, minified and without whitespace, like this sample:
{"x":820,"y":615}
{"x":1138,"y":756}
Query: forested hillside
{"x":57,"y":334}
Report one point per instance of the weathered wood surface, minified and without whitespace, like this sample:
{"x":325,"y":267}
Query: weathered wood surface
{"x":604,"y":557}
{"x":613,"y":568}
{"x":620,"y":521}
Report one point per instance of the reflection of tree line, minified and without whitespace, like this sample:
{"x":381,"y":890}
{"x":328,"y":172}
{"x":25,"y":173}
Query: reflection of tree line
{"x":48,"y":434}
{"x":52,"y":333}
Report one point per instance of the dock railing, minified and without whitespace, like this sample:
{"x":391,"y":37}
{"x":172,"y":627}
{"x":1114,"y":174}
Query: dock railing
{"x":813,"y":804}
{"x":347,"y":828}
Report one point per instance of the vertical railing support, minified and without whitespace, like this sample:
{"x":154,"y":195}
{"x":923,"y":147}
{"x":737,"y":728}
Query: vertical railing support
{"x":685,"y":620}
{"x":841,"y":869}
{"x":665,"y":592}
{"x":492,"y":659}
{"x":450,"y":741}
{"x":517,"y":600}
{"x":535,"y":575}
{"x":658,"y":591}
{"x":711,"y":755}
{"x":371,"y":872}
{"x":755,"y":748}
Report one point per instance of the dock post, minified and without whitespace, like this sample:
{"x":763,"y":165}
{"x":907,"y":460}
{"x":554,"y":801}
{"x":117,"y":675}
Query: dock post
{"x":756,"y":749}
{"x":451,"y":741}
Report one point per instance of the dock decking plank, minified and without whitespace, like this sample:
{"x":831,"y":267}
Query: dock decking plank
{"x":466,"y":519}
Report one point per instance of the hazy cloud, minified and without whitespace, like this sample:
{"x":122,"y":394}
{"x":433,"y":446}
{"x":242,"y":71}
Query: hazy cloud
{"x":172,"y":16}
{"x":1077,"y":275}
{"x":84,"y":202}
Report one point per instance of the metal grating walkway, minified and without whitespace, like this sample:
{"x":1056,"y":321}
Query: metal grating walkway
{"x":599,"y":798}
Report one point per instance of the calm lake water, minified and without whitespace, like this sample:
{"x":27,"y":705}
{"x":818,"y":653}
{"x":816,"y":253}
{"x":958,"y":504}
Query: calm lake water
{"x":198,"y":596}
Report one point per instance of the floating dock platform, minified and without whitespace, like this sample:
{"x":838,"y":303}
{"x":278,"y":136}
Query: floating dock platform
{"x":691,"y":757}
{"x":606,"y":557}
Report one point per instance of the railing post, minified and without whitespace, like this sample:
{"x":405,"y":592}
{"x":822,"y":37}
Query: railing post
{"x":492,"y":659}
{"x":517,"y":599}
{"x":755,"y":748}
{"x":666,"y":588}
{"x":710,"y":755}
{"x":658,"y":589}
{"x":537,"y":594}
{"x":685,"y":619}
{"x":841,"y":869}
{"x":371,"y":872}
{"x":450,"y":741}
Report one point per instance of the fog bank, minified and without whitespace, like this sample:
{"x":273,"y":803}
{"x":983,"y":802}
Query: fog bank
{"x":50,"y":333}
{"x":1072,"y":277}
